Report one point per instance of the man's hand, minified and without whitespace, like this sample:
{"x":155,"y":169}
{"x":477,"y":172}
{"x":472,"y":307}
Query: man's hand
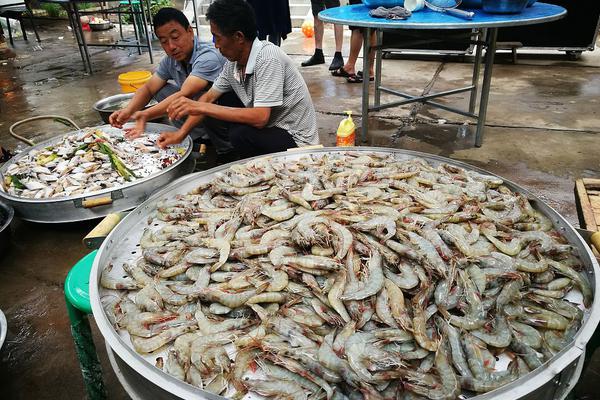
{"x":119,"y":117}
{"x":168,"y":138}
{"x":139,"y":128}
{"x":183,"y":106}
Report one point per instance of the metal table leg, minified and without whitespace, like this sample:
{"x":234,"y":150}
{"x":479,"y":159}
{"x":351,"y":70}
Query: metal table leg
{"x":70,"y":14}
{"x":487,"y":80}
{"x":378,"y":60}
{"x":476,"y":69}
{"x":196,"y":19}
{"x":77,"y":20}
{"x":145,"y":28}
{"x":138,"y":35}
{"x":365,"y":94}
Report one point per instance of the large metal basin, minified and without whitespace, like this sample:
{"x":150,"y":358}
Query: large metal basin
{"x":3,"y":328}
{"x":6,"y":216}
{"x":551,"y":381}
{"x":124,"y":197}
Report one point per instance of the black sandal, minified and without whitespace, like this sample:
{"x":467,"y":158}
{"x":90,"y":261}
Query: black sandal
{"x":341,"y":72}
{"x":371,"y":78}
{"x":354,"y":79}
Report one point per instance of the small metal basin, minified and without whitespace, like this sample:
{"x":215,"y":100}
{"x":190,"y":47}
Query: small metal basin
{"x":101,"y":27}
{"x":109,"y":105}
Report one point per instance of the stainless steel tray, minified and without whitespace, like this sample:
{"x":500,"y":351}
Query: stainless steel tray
{"x":548,"y":382}
{"x":124,"y":197}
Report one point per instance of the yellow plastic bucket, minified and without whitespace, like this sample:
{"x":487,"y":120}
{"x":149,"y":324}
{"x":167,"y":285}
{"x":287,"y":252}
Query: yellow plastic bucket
{"x":133,"y":80}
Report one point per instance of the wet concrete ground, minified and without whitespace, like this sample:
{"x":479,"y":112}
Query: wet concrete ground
{"x":541,"y":132}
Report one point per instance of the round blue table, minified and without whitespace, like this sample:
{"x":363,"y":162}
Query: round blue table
{"x":486,"y":26}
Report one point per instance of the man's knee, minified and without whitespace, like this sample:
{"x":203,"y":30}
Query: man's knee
{"x":166,"y":91}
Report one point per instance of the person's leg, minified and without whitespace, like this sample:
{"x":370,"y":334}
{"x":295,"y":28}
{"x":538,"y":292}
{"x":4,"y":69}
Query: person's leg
{"x":372,"y":53}
{"x":357,"y":77}
{"x":249,"y":141}
{"x":338,"y":31}
{"x":218,"y":131}
{"x":319,"y":30}
{"x":356,"y":40}
{"x":338,"y":59}
{"x":317,"y":58}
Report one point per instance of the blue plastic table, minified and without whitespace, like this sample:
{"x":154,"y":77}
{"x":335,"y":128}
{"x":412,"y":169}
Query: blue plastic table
{"x":486,"y":26}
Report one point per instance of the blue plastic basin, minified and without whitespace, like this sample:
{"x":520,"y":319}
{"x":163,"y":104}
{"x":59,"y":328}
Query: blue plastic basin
{"x":504,"y":6}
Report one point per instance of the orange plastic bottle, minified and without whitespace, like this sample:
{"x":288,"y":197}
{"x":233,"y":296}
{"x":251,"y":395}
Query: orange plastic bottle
{"x":345,"y":132}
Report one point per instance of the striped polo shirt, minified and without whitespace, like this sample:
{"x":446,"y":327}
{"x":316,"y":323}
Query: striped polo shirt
{"x":272,"y":80}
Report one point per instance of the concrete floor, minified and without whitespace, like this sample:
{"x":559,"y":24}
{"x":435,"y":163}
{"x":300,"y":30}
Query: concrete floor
{"x":541,"y":132}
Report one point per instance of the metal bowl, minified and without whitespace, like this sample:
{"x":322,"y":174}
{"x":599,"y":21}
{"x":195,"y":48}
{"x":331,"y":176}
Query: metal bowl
{"x":82,"y":207}
{"x":6,"y":216}
{"x":382,"y":3}
{"x":101,"y":27}
{"x":551,"y":381}
{"x":109,"y":105}
{"x":504,"y":6}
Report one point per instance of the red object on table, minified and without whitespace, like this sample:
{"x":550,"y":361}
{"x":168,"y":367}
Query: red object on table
{"x":86,"y":27}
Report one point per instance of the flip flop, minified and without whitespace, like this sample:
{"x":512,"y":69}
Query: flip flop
{"x":340,"y":72}
{"x":371,"y":78}
{"x":357,"y":79}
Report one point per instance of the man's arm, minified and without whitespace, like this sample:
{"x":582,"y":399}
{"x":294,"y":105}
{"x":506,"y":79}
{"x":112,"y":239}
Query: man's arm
{"x":168,"y":138}
{"x":191,"y":87}
{"x":257,"y":117}
{"x":141,"y":97}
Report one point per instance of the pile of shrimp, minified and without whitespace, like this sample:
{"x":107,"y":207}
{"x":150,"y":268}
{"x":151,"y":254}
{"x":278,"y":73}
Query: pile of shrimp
{"x":347,"y":276}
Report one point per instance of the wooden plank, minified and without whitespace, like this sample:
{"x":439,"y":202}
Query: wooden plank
{"x":589,"y":221}
{"x":591,"y":183}
{"x":594,"y":201}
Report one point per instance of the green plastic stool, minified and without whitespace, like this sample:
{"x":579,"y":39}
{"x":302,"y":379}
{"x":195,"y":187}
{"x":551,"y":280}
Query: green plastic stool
{"x":77,"y":297}
{"x":138,"y":20}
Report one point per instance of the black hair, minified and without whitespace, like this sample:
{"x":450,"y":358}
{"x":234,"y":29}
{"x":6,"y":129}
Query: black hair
{"x":231,"y":16}
{"x":168,"y":14}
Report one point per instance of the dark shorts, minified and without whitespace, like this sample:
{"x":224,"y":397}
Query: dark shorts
{"x":350,"y":2}
{"x":320,"y":5}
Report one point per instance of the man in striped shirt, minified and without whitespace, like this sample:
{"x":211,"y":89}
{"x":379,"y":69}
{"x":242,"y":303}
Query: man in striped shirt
{"x":277,"y":112}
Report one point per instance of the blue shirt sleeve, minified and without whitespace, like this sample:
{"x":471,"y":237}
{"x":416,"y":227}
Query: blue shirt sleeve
{"x":164,"y":69}
{"x":208,"y":65}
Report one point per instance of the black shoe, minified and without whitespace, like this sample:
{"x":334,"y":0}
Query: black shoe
{"x":337,"y":62}
{"x":316,"y":59}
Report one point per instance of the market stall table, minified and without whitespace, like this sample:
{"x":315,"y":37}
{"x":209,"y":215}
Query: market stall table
{"x":487,"y":31}
{"x":142,"y":38}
